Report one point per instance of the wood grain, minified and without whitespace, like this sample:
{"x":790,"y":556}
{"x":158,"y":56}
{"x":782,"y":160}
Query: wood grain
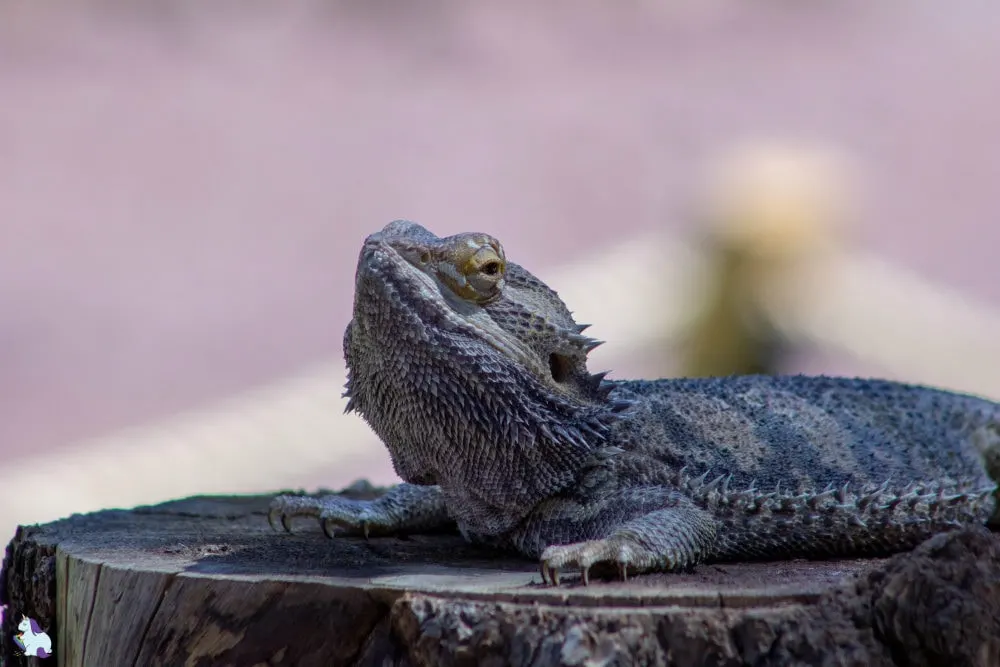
{"x":205,"y":581}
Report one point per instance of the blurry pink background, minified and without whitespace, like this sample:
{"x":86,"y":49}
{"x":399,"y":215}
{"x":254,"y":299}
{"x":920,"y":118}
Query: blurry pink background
{"x":184,"y":186}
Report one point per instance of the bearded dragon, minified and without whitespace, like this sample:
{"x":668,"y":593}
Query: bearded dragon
{"x":473,"y":373}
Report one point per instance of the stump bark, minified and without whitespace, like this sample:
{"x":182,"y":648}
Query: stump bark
{"x":205,"y":581}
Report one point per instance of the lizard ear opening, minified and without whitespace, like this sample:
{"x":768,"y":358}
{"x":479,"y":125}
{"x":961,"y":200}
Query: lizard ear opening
{"x":560,"y":366}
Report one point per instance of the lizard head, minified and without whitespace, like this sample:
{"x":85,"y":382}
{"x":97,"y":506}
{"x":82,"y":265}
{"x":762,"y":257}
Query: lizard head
{"x":471,"y":370}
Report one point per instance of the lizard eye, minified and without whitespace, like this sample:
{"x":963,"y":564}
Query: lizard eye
{"x":491,"y":268}
{"x":486,"y":264}
{"x":473,"y":266}
{"x":484,"y":273}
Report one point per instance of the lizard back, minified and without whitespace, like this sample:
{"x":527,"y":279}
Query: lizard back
{"x":814,"y":465}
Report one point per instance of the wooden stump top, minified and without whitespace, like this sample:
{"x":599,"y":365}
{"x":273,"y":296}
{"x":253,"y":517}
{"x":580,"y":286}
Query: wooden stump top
{"x":205,"y":580}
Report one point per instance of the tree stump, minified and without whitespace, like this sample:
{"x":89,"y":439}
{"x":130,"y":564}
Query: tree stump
{"x":205,"y":581}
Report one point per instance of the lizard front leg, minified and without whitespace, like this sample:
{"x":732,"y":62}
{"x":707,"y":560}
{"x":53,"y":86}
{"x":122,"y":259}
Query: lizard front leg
{"x":405,"y":508}
{"x":639,"y":530}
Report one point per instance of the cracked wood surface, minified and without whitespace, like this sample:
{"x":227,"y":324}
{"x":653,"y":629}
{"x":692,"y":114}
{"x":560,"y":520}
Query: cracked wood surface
{"x":204,"y":581}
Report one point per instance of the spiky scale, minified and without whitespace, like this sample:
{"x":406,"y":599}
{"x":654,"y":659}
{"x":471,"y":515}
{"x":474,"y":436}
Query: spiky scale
{"x":597,"y":378}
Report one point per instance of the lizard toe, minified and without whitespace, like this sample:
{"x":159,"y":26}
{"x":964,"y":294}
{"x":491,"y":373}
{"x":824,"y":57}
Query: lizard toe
{"x":336,"y":514}
{"x":583,"y":555}
{"x":284,"y":508}
{"x":355,"y":517}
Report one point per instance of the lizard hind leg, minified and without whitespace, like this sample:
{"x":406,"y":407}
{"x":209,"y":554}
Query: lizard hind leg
{"x":664,"y":539}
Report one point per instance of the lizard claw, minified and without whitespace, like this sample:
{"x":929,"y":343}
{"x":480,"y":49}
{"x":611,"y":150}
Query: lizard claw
{"x":550,"y":574}
{"x":332,"y":525}
{"x":336,"y":515}
{"x":585,"y":555}
{"x":582,"y":555}
{"x":287,"y":507}
{"x":272,"y":517}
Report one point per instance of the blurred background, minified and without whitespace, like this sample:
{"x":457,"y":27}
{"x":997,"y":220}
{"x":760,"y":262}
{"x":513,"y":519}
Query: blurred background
{"x":717,"y":186}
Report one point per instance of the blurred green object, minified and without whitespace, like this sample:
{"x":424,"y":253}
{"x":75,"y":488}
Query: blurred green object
{"x":733,"y":335}
{"x":771,"y":214}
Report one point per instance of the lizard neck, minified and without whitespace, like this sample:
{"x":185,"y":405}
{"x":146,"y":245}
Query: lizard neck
{"x":494,"y":438}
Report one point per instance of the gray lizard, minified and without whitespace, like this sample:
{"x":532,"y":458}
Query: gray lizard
{"x":474,"y":374}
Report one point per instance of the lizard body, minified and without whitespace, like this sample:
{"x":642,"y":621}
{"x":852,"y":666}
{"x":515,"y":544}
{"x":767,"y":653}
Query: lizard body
{"x":474,"y":374}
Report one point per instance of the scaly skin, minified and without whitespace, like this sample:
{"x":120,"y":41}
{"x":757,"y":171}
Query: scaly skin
{"x":474,"y":375}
